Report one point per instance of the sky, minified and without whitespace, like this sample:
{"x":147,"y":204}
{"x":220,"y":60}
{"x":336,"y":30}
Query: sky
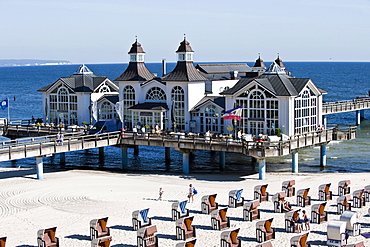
{"x":91,"y":31}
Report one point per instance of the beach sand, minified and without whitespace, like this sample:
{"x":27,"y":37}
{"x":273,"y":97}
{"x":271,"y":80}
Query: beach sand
{"x":70,"y":199}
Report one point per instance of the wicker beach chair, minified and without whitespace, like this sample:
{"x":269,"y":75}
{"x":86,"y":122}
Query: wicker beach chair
{"x":179,"y":210}
{"x":146,"y":236}
{"x":318,"y":213}
{"x":280,"y":204}
{"x":324,"y":192}
{"x":219,"y":220}
{"x":343,"y":204}
{"x":235,"y":198}
{"x":336,"y":233}
{"x":2,"y":241}
{"x":287,"y":187}
{"x":357,"y":244}
{"x":260,"y":193}
{"x":140,"y":219}
{"x":184,"y":228}
{"x":101,"y":242}
{"x":251,"y":211}
{"x":292,"y":223}
{"x":209,"y":203}
{"x":343,"y":187}
{"x":367,"y":193}
{"x":265,"y":244}
{"x":299,"y":240}
{"x":230,"y":238}
{"x":352,"y":226}
{"x":46,"y":238}
{"x":358,"y":198}
{"x":264,"y":231}
{"x":303,"y":199}
{"x":98,"y":228}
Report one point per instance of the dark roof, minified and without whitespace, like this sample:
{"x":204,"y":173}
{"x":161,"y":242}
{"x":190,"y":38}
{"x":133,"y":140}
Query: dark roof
{"x":220,"y":101}
{"x":136,"y":48}
{"x":150,"y":106}
{"x":184,"y":71}
{"x":259,"y":63}
{"x":83,"y":80}
{"x":280,"y":62}
{"x":223,"y":68}
{"x":136,"y":71}
{"x":184,"y":46}
{"x":278,"y":84}
{"x":112,"y":98}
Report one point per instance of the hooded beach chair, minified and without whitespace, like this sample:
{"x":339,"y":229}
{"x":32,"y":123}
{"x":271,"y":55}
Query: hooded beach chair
{"x":318,"y":213}
{"x":146,"y":236}
{"x":336,"y":233}
{"x":367,"y":193}
{"x":358,"y":198}
{"x":184,"y":228}
{"x":287,"y":187}
{"x":265,"y":244}
{"x":343,"y":204}
{"x":46,"y":238}
{"x":101,"y":242}
{"x":292,"y":222}
{"x":352,"y":226}
{"x":251,"y":211}
{"x":303,"y":199}
{"x":343,"y":187}
{"x":260,"y":193}
{"x":235,"y":198}
{"x":188,"y":243}
{"x":264,"y":231}
{"x":209,"y":203}
{"x":230,"y":238}
{"x":140,"y":219}
{"x":324,"y":192}
{"x":179,"y":210}
{"x":357,"y":244}
{"x":219,"y":220}
{"x":98,"y":228}
{"x":299,"y":240}
{"x":280,"y":204}
{"x":2,"y":241}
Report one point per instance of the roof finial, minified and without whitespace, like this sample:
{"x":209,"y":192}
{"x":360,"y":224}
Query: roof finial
{"x":136,"y":38}
{"x":184,"y":36}
{"x":259,"y":55}
{"x":278,"y":54}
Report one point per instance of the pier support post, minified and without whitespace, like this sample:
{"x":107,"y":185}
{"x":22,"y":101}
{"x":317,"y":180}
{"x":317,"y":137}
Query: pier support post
{"x":323,"y":155}
{"x":124,"y":163}
{"x":185,"y":162}
{"x":261,"y":169}
{"x":39,"y":168}
{"x":324,"y":121}
{"x":167,"y":155}
{"x":358,"y":117}
{"x":101,"y":156}
{"x":295,"y":161}
{"x":136,"y":150}
{"x":222,"y":160}
{"x":62,"y":159}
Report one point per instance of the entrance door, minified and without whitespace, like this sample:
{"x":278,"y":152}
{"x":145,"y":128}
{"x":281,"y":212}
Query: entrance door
{"x":256,"y":127}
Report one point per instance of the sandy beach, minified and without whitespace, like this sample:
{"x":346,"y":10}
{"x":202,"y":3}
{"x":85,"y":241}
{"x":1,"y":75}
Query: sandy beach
{"x":70,"y":199}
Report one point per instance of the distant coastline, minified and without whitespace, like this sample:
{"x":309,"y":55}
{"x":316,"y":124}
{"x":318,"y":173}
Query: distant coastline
{"x":31,"y":62}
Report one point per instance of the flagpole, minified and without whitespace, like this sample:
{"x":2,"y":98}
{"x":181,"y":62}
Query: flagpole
{"x":8,"y":110}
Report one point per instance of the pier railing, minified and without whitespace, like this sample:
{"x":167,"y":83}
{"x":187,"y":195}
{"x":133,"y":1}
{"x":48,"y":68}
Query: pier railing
{"x":48,"y":145}
{"x":346,"y":105}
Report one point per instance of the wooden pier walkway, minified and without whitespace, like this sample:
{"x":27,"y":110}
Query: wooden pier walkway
{"x":47,"y":145}
{"x":358,"y":104}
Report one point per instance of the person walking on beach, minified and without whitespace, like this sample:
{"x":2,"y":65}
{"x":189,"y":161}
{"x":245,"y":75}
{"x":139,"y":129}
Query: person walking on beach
{"x":191,"y":193}
{"x":306,"y":220}
{"x":160,"y":194}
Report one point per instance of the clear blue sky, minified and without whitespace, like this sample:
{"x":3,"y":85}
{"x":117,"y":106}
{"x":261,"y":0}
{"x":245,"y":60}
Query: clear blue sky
{"x":91,"y":31}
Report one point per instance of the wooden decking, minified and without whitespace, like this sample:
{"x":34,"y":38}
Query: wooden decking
{"x":346,"y":106}
{"x":47,"y":145}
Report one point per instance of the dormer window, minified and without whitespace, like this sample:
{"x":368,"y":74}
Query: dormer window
{"x":181,"y":57}
{"x":186,"y":57}
{"x":189,"y":57}
{"x":132,"y":58}
{"x":140,"y":57}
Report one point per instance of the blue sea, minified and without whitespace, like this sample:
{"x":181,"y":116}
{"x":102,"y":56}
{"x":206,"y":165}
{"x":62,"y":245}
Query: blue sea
{"x":342,"y":81}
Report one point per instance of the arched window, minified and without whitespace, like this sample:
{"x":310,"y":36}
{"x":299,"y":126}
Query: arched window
{"x":128,"y":101}
{"x":107,"y":111}
{"x":104,"y":89}
{"x":156,"y":94}
{"x":178,"y":107}
{"x":212,"y":119}
{"x":210,"y":111}
{"x":63,"y":107}
{"x":305,"y":112}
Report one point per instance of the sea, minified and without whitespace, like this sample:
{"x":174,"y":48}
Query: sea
{"x":342,"y":81}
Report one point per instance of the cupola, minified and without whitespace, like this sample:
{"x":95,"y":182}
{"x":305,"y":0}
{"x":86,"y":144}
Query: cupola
{"x":280,"y":62}
{"x":259,"y":63}
{"x":185,"y":53}
{"x":136,"y":52}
